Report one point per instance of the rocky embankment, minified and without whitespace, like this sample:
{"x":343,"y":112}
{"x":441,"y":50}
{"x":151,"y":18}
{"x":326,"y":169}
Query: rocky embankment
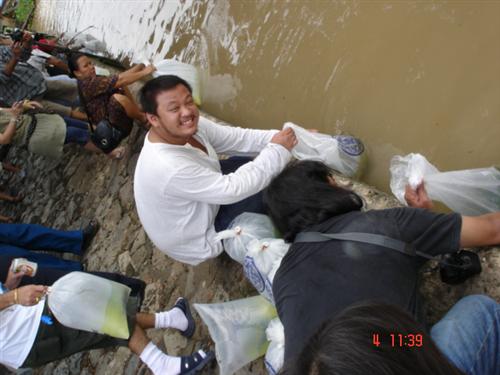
{"x":82,"y":186}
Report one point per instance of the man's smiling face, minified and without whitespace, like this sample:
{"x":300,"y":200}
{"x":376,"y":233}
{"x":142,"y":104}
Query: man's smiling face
{"x":177,"y":116}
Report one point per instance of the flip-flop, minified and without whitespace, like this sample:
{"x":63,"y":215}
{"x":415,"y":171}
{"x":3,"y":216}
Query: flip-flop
{"x":183,"y":304}
{"x":190,"y":365}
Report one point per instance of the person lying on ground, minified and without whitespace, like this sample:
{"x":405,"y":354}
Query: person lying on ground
{"x":20,"y":80}
{"x":31,"y":342}
{"x":24,"y":240}
{"x":43,"y":134}
{"x":183,"y":193}
{"x":108,"y":98}
{"x":382,"y":339}
{"x":306,"y":198}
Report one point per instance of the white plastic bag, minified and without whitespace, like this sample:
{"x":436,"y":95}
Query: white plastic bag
{"x":342,"y":153}
{"x":244,"y":228}
{"x":261,"y":263}
{"x":90,"y":303}
{"x":275,"y":355}
{"x":468,"y":192}
{"x":185,"y":71}
{"x":238,"y":330}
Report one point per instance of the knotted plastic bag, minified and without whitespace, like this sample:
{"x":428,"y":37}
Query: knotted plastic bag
{"x":343,"y":153}
{"x":261,"y":263}
{"x":185,"y":71}
{"x":238,"y":329}
{"x":275,"y":355}
{"x":244,"y":228}
{"x":90,"y":303}
{"x":468,"y":192}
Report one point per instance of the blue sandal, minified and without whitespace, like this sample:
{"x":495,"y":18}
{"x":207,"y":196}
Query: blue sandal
{"x":183,"y":304}
{"x":190,"y":365}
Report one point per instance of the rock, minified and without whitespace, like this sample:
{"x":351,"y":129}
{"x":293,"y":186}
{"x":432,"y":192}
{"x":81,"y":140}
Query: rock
{"x":125,"y":263}
{"x":119,"y":361}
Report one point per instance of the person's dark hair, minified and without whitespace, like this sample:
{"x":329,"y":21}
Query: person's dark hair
{"x":154,"y":87}
{"x":344,"y":345}
{"x":73,"y":62}
{"x":301,"y":196}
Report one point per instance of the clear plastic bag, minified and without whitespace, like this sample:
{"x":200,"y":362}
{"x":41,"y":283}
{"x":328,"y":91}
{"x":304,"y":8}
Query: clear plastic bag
{"x":468,"y":192}
{"x":186,"y":71}
{"x":238,"y":330}
{"x":275,"y":355}
{"x":343,"y":153}
{"x":261,"y":263}
{"x":90,"y":303}
{"x":243,"y":229}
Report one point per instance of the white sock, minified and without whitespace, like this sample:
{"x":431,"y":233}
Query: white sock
{"x":159,"y":362}
{"x":173,"y":318}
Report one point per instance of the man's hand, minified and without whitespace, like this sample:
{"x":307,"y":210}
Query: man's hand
{"x":17,"y":109}
{"x":30,"y":295}
{"x":286,"y":138}
{"x":16,"y":50}
{"x":418,"y":198}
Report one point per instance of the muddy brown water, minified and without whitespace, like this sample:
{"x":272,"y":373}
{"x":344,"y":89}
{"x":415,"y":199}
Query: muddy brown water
{"x":404,"y":76}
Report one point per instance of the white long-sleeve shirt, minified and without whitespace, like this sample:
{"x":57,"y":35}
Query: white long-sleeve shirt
{"x":178,"y":189}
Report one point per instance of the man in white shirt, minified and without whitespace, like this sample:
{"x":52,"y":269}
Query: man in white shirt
{"x":179,"y":185}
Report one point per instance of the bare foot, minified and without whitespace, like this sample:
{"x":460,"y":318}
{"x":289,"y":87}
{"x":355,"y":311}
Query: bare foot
{"x":117,"y":153}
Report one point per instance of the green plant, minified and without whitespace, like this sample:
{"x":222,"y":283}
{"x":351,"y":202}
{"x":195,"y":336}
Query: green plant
{"x":23,"y":10}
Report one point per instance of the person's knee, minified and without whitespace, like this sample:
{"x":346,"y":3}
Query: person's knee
{"x":478,"y":303}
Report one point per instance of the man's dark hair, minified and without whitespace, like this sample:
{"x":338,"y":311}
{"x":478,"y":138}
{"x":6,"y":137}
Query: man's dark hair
{"x":153,"y":88}
{"x":73,"y":62}
{"x":344,"y":345}
{"x":301,"y":196}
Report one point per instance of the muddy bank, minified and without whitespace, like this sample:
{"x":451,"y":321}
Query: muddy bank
{"x":81,"y":186}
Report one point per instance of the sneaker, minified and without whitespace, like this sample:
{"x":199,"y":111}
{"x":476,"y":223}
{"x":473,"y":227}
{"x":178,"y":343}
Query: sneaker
{"x":190,"y":365}
{"x":183,"y":304}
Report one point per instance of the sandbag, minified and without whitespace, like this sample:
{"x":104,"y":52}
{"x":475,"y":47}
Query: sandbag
{"x":185,"y":71}
{"x":244,"y":228}
{"x":261,"y":263}
{"x":343,"y":153}
{"x":468,"y":192}
{"x":238,"y":330}
{"x":90,"y":303}
{"x":275,"y":355}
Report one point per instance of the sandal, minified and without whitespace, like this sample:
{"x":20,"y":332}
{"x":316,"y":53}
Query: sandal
{"x":190,"y":365}
{"x":183,"y":305}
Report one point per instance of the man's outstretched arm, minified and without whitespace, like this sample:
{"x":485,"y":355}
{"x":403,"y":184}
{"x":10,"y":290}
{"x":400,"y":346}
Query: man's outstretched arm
{"x":483,"y":230}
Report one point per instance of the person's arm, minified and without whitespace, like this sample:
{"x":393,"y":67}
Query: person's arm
{"x":10,"y":130}
{"x":230,"y":140}
{"x":57,"y":63}
{"x":11,"y":64}
{"x":483,"y":230}
{"x":28,"y":295}
{"x":133,"y":74}
{"x":198,"y":183}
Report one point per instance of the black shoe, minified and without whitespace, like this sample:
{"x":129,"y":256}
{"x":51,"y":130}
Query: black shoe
{"x":89,"y":233}
{"x":183,"y":304}
{"x":190,"y":365}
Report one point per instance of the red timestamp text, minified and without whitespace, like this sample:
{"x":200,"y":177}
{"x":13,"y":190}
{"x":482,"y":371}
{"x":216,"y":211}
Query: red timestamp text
{"x":399,"y":340}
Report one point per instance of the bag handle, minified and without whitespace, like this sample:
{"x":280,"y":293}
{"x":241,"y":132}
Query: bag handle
{"x":363,"y":237}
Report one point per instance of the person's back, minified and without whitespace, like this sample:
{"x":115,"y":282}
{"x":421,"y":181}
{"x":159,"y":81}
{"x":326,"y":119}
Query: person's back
{"x":317,"y":280}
